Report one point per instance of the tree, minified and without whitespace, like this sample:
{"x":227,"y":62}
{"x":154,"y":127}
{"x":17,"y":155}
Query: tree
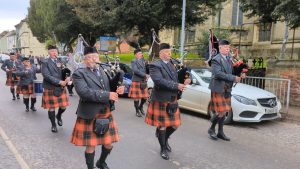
{"x":141,"y":15}
{"x":289,"y":11}
{"x":48,"y":17}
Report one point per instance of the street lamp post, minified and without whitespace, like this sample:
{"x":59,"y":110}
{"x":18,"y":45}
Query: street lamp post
{"x":182,"y":29}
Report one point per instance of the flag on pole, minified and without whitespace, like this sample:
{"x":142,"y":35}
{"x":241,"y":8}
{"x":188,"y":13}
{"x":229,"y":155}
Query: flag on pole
{"x":77,"y":57}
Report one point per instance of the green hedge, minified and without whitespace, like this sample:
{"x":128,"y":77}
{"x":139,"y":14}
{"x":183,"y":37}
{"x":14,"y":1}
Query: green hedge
{"x":127,"y":57}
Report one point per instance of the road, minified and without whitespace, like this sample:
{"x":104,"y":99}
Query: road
{"x":267,"y":145}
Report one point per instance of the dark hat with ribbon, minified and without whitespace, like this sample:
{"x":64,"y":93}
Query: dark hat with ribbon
{"x":51,"y":47}
{"x":137,"y":51}
{"x":88,"y":50}
{"x":163,"y":46}
{"x":12,"y":53}
{"x":224,"y":42}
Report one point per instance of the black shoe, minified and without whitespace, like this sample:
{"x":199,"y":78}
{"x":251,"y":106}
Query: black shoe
{"x":14,"y":98}
{"x":102,"y":165}
{"x":59,"y":121}
{"x":223,"y":137}
{"x":27,"y":110}
{"x":138,"y":114}
{"x":212,"y":134}
{"x":18,"y":96}
{"x":33,"y":108}
{"x":54,"y":129}
{"x":164,"y":154}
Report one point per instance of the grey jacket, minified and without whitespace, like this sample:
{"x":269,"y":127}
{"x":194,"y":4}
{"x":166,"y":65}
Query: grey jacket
{"x":221,"y":75}
{"x":139,"y":70}
{"x":51,"y":74}
{"x":26,"y":78}
{"x":93,"y":93}
{"x":165,"y":82}
{"x":9,"y":64}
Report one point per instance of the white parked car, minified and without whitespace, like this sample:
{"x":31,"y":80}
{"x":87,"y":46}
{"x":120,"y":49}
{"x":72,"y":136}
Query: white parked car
{"x":249,"y":103}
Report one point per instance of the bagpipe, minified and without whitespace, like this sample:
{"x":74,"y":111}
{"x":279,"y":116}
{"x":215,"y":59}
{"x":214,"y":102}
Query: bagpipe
{"x":182,"y":69}
{"x":239,"y":66}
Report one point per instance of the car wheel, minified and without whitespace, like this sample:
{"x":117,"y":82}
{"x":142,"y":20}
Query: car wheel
{"x":228,"y":116}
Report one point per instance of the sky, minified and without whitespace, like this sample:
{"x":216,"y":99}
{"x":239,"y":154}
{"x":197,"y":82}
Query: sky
{"x":12,"y":12}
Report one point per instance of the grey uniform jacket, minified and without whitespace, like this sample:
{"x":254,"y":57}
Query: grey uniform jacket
{"x":221,"y":75}
{"x":139,"y":70}
{"x":26,"y":78}
{"x":9,"y":64}
{"x":165,"y":80}
{"x":93,"y":93}
{"x":51,"y":74}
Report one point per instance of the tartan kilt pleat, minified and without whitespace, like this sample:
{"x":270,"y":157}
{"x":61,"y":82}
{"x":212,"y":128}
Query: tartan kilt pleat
{"x":157,"y":115}
{"x":83,"y":134}
{"x":51,"y":101}
{"x":10,"y":81}
{"x":219,"y":104}
{"x":28,"y":89}
{"x":135,"y":91}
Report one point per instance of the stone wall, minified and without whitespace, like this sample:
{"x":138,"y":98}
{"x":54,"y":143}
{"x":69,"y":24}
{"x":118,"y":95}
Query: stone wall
{"x":289,"y":69}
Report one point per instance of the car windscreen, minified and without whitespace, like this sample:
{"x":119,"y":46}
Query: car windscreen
{"x":204,"y":74}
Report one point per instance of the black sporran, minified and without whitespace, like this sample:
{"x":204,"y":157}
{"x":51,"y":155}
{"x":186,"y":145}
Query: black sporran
{"x":57,"y":91}
{"x":101,"y":126}
{"x":143,"y":85}
{"x":172,"y":108}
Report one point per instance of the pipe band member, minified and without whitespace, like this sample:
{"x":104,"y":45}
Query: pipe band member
{"x":138,"y":88}
{"x":95,"y":124}
{"x":221,"y":85}
{"x":27,"y":73}
{"x":163,"y":111}
{"x":10,"y":66}
{"x":54,"y":95}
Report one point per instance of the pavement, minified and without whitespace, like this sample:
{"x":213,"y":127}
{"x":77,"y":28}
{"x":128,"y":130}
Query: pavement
{"x":293,"y":115}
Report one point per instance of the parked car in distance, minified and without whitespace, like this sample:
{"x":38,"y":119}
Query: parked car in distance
{"x":249,"y":103}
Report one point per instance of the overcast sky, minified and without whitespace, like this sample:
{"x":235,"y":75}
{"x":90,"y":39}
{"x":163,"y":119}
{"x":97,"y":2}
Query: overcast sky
{"x":12,"y":12}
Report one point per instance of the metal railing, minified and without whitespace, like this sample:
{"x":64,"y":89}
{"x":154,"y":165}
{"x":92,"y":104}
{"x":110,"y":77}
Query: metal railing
{"x":278,"y":86}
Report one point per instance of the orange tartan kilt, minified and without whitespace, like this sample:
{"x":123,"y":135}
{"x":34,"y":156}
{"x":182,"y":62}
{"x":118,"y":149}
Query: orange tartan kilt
{"x":219,"y":104}
{"x":28,"y":89}
{"x":51,"y":101}
{"x":83,"y":134}
{"x":135,"y":91}
{"x":158,"y":116}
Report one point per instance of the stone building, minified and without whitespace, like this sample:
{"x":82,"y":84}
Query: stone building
{"x":26,"y":42}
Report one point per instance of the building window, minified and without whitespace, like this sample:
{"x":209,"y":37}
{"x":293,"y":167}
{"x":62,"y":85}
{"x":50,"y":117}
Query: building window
{"x":237,"y":13}
{"x":264,"y":32}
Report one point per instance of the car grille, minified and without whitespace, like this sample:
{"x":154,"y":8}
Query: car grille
{"x":248,"y":114}
{"x":268,"y":102}
{"x":268,"y":115}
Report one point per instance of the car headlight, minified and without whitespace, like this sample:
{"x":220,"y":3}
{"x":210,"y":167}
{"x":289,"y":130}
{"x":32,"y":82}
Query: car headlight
{"x":244,"y":100}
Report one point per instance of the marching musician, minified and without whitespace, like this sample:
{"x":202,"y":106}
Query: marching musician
{"x":10,"y":66}
{"x":221,"y":86}
{"x":54,"y":95}
{"x":27,"y":73}
{"x":95,"y":124}
{"x":138,"y":88}
{"x":163,"y":111}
